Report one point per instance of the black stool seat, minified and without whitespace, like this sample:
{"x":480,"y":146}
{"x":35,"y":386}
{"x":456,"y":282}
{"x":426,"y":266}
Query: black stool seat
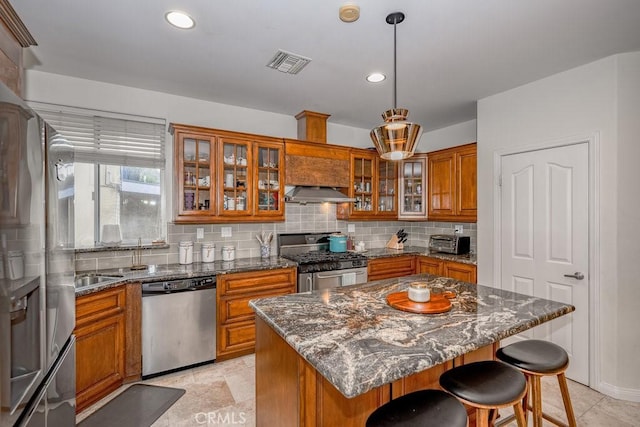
{"x":534,"y":355}
{"x":488,"y":383}
{"x":421,"y":408}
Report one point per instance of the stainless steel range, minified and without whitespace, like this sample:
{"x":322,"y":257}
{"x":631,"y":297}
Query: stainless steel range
{"x":318,"y":268}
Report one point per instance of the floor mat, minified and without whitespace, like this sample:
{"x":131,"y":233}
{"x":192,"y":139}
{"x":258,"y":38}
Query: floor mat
{"x":138,"y":406}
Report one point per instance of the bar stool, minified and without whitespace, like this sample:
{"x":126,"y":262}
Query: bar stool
{"x":422,"y":408}
{"x":537,"y":358}
{"x":487,"y":386}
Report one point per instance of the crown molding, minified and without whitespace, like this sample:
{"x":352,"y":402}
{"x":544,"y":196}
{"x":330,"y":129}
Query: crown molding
{"x":14,"y":24}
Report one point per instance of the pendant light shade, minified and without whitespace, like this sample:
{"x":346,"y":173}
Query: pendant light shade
{"x":396,"y":138}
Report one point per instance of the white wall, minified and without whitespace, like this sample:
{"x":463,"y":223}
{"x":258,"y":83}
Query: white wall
{"x":458,"y":134}
{"x":582,"y":101}
{"x":65,"y":90}
{"x":628,"y":217}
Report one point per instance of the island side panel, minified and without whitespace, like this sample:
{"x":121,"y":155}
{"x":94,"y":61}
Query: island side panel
{"x":334,"y":409}
{"x":427,"y":379}
{"x":290,"y":392}
{"x":277,"y":382}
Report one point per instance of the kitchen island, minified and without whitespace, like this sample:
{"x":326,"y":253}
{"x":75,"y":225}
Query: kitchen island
{"x":331,"y":357}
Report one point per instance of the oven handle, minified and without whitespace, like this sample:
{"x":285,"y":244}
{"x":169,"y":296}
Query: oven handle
{"x":335,"y":275}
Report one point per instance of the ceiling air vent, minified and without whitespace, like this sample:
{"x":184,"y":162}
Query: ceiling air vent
{"x":288,"y":62}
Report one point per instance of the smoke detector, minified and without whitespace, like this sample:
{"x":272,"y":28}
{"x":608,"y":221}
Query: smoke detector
{"x":349,"y":13}
{"x":287,"y":62}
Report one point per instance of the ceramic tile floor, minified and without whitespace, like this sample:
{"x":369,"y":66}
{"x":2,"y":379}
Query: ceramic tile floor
{"x":223,"y":394}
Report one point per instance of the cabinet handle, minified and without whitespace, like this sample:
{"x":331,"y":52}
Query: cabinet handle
{"x":577,"y":275}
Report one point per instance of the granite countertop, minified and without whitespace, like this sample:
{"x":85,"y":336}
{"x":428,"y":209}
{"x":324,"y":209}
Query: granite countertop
{"x":419,"y":250}
{"x":358,"y":342}
{"x":156,"y":273}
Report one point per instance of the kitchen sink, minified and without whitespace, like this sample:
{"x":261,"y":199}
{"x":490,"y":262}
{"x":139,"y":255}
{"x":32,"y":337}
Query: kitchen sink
{"x":95,"y":279}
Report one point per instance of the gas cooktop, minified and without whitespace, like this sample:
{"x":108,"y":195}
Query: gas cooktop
{"x":311,"y":252}
{"x":323,"y":256}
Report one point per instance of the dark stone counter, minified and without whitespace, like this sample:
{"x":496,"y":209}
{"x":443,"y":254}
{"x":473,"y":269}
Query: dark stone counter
{"x":419,"y":250}
{"x":358,"y":342}
{"x":155,"y":273}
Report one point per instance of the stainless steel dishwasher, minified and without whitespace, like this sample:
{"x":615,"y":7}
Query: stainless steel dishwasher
{"x":178,"y":324}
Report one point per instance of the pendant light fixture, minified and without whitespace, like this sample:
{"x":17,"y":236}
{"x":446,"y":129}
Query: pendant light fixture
{"x":396,"y":138}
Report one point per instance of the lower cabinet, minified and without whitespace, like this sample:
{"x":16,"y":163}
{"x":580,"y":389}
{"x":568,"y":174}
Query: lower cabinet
{"x":455,"y":270}
{"x":388,"y":268}
{"x":460,"y":271}
{"x":107,"y":342}
{"x":236,"y":331}
{"x":100,"y":335}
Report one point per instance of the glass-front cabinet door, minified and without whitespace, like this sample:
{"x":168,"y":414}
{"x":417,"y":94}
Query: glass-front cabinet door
{"x":195,"y":159}
{"x":269,"y":179}
{"x":363,"y":183}
{"x":413,"y":186}
{"x":387,"y":187}
{"x":235,"y":179}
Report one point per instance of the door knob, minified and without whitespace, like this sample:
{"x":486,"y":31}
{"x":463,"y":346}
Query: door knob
{"x":577,"y":275}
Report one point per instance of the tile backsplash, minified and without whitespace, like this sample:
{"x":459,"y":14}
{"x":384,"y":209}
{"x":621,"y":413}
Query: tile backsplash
{"x":299,"y":218}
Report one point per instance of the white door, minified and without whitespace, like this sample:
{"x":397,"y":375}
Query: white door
{"x":545,"y":239}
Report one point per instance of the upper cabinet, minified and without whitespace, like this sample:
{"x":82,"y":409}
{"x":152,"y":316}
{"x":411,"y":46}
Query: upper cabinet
{"x":227,"y":176}
{"x":373,"y":185}
{"x":413,"y":188}
{"x":452,"y":188}
{"x":14,"y":37}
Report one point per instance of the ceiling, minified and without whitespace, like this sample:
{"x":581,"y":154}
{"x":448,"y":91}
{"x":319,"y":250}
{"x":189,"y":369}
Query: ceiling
{"x":450,"y":53}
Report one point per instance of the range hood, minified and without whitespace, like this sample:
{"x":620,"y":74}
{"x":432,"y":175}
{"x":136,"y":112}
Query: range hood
{"x":305,"y":194}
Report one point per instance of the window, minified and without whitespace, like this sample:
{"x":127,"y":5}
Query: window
{"x":119,"y":165}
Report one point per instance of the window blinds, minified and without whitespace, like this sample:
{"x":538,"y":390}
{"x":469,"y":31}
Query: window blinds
{"x":108,"y":138}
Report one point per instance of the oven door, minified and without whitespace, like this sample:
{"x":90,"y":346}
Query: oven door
{"x":338,"y":278}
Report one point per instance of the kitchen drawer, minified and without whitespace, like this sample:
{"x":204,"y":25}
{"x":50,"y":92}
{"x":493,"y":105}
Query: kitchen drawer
{"x":386,"y":268}
{"x":256,"y":281}
{"x":105,"y":303}
{"x":237,"y":308}
{"x":236,"y":339}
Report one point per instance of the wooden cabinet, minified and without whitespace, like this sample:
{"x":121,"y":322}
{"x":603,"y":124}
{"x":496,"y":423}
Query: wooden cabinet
{"x":455,"y":270}
{"x":100,"y":345}
{"x":235,"y":333}
{"x":15,"y":180}
{"x":194,"y":173}
{"x":14,"y":36}
{"x":108,"y":342}
{"x":460,"y":271}
{"x":373,"y":185}
{"x":387,"y":268}
{"x":429,"y":265}
{"x":223,"y":176}
{"x":413,"y":188}
{"x":452,"y":188}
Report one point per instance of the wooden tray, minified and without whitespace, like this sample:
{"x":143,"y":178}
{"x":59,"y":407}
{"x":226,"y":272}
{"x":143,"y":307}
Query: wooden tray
{"x":439,"y":303}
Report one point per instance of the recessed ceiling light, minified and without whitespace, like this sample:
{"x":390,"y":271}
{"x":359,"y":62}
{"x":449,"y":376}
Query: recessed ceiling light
{"x":376,"y":77}
{"x":180,"y":19}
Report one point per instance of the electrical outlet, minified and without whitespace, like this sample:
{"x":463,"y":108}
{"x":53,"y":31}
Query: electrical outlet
{"x":458,"y":228}
{"x":226,"y":231}
{"x":199,"y":233}
{"x":351,"y":228}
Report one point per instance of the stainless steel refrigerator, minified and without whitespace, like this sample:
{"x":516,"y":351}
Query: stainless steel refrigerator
{"x":37,"y":294}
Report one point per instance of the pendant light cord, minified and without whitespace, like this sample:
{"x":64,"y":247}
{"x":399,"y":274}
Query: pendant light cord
{"x":395,"y":84}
